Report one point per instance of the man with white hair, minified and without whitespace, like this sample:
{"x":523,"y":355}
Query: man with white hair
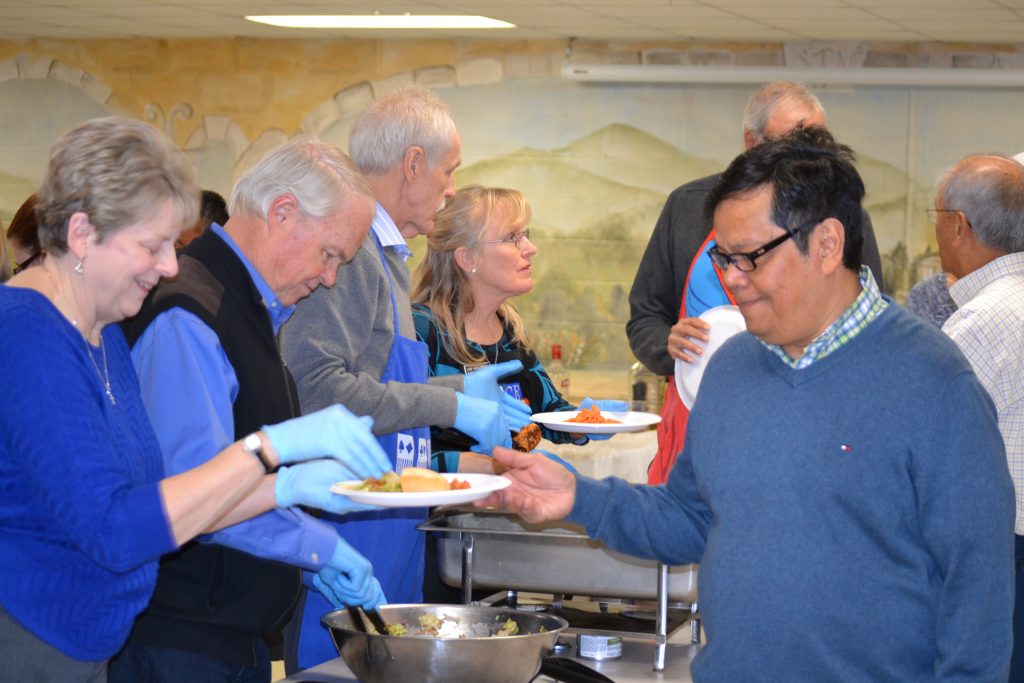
{"x":211,"y":373}
{"x":979,"y":227}
{"x":356,"y":345}
{"x":676,"y":282}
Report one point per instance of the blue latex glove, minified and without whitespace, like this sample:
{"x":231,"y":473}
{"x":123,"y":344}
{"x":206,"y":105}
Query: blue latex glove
{"x":609,"y":405}
{"x":605,"y":406}
{"x":309,"y":484}
{"x":347,"y":579}
{"x":483,"y":383}
{"x":484,"y":421}
{"x":332,"y":432}
{"x":517,"y":414}
{"x":551,"y":456}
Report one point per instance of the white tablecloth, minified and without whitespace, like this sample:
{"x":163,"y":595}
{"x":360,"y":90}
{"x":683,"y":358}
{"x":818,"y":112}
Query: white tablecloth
{"x":624,"y":455}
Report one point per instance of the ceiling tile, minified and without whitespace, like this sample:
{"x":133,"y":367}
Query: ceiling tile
{"x":748,"y":20}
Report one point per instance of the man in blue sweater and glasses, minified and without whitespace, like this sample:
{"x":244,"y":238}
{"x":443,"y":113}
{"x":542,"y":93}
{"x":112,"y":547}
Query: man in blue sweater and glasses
{"x":843,"y":482}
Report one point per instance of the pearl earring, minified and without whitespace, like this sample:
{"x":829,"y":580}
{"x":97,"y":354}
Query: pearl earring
{"x":78,"y":268}
{"x":472,"y":271}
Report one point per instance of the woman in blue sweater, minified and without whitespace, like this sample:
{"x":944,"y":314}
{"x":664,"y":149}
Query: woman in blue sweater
{"x":85,"y":509}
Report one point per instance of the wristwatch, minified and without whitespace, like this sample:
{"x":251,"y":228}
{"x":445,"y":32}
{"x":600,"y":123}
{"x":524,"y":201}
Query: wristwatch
{"x":253,"y":444}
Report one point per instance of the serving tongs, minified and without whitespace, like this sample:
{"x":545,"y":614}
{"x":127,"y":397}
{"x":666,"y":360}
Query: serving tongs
{"x":361,"y":615}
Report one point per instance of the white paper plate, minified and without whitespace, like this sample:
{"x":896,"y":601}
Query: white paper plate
{"x":480,"y":486}
{"x":725,"y":321}
{"x":631,"y":421}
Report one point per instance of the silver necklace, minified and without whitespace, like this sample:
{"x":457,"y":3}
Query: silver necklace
{"x":105,"y":375}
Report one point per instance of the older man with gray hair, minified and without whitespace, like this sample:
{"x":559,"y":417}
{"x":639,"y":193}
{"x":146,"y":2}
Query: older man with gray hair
{"x":356,"y":345}
{"x":979,"y":227}
{"x":211,"y":373}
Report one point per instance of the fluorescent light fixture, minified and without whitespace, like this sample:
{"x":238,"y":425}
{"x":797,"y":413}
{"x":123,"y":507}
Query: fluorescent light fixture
{"x":382,"y":21}
{"x":876,"y":76}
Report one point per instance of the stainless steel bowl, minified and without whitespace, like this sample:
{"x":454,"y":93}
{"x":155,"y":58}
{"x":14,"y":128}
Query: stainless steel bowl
{"x":375,"y":658}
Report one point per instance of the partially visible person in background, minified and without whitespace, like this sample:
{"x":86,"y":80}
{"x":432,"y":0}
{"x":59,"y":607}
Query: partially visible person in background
{"x":23,"y":236}
{"x":212,"y":209}
{"x":5,"y":260}
{"x":979,"y":227}
{"x":86,"y":508}
{"x":929,"y":298}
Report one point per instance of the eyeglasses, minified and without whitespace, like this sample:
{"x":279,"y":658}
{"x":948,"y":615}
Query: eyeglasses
{"x":745,"y":261}
{"x":933,"y":215}
{"x":513,"y":238}
{"x":27,"y":262}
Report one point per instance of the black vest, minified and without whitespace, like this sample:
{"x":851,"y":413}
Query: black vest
{"x":209,"y":598}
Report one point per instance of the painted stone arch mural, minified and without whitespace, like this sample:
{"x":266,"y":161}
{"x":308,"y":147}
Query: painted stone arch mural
{"x":29,"y":85}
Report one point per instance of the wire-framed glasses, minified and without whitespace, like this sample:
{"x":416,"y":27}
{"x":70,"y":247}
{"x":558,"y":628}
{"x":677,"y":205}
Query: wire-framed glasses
{"x":933,"y":215}
{"x":513,"y":238}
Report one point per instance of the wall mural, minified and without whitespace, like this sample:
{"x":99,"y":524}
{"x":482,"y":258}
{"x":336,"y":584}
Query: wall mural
{"x":596,"y":162}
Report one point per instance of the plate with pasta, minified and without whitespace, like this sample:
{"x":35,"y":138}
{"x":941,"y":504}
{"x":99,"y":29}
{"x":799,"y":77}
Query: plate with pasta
{"x":594,"y":421}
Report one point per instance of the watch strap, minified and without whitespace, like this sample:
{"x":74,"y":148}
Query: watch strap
{"x":254,"y":444}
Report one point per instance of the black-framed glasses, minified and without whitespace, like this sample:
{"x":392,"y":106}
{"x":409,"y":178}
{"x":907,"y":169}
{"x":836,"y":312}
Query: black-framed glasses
{"x":745,"y":261}
{"x":27,"y":262}
{"x":513,"y":238}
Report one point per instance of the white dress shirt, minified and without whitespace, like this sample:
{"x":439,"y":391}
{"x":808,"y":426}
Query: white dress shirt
{"x":988,"y":327}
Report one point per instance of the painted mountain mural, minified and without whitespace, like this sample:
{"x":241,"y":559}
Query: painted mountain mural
{"x":595,"y":202}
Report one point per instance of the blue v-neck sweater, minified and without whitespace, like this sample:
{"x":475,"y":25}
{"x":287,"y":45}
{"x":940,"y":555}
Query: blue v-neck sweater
{"x":853,"y":520}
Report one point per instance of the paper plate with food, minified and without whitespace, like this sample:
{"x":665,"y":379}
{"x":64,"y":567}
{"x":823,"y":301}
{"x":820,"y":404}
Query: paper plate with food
{"x":419,"y":487}
{"x":595,"y":421}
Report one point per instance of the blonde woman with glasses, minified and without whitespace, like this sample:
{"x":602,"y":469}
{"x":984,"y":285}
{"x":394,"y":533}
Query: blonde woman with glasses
{"x":480,"y":256}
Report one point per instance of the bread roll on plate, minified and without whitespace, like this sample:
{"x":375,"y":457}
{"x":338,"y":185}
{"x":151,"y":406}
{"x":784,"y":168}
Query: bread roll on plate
{"x":418,"y":479}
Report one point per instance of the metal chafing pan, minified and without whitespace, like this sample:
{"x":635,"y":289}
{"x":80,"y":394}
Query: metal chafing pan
{"x":499,"y":550}
{"x":507,"y":553}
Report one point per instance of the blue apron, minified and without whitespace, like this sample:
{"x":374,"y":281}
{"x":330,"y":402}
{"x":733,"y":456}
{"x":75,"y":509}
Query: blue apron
{"x":388,"y":539}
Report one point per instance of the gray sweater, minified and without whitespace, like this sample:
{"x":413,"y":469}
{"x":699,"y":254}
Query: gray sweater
{"x":337,"y":344}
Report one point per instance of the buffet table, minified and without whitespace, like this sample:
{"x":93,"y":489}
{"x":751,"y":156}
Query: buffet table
{"x":623,"y":455}
{"x":634,"y":666}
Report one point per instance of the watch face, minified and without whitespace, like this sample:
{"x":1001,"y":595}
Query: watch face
{"x":253,"y":443}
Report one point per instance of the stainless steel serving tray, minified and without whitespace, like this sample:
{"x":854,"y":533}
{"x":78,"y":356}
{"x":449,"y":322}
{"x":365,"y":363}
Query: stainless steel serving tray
{"x":554,"y":557}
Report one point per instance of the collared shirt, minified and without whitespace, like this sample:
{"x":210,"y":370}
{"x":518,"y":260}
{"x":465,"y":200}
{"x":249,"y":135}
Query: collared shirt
{"x":988,"y":327}
{"x":865,"y":308}
{"x":388,"y":233}
{"x":189,"y":388}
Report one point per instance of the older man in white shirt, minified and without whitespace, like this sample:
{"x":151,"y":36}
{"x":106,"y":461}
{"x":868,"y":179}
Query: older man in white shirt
{"x":979,"y":227}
